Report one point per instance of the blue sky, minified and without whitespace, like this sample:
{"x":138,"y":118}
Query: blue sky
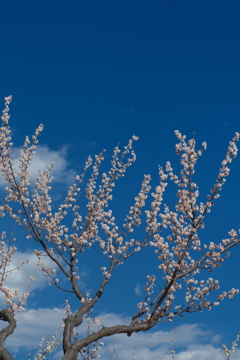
{"x":96,"y":72}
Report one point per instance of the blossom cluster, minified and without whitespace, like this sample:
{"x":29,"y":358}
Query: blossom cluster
{"x":13,"y":298}
{"x":228,"y":352}
{"x":46,"y":346}
{"x":181,"y":254}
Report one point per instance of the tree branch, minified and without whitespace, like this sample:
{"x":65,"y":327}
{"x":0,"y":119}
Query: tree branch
{"x":6,"y":315}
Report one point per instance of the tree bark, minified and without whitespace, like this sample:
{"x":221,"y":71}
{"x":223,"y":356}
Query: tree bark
{"x":6,"y":315}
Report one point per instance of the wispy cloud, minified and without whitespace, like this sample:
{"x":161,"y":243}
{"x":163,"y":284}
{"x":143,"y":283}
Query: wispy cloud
{"x":138,"y":289}
{"x":155,"y":345}
{"x":129,"y":111}
{"x":31,"y":325}
{"x":41,"y":159}
{"x":19,"y":278}
{"x":91,"y":144}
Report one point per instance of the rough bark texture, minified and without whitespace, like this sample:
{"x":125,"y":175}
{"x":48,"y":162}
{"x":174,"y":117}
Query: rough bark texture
{"x":6,"y":315}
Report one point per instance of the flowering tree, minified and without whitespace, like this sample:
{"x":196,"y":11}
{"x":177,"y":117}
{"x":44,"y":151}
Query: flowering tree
{"x":181,"y":254}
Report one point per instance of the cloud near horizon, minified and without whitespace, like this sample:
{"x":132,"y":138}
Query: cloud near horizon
{"x":193,"y":342}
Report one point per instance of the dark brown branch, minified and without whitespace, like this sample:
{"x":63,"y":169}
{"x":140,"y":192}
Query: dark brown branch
{"x":74,"y":349}
{"x":6,"y":315}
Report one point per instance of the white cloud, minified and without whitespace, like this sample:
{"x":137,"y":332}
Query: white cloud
{"x":155,"y":345}
{"x":194,"y":342}
{"x":31,"y":325}
{"x":41,"y":159}
{"x":138,"y":289}
{"x":19,"y":278}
